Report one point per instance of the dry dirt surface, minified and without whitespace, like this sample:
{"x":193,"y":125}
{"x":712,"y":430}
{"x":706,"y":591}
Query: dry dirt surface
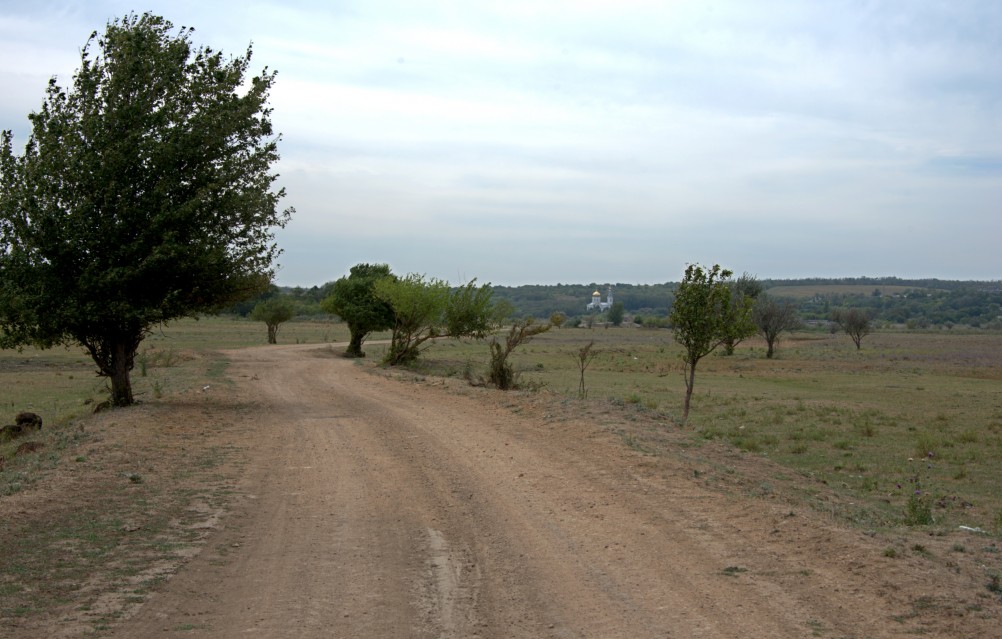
{"x":384,"y":505}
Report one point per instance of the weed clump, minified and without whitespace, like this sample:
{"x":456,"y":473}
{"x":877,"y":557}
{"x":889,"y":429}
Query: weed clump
{"x":918,"y":511}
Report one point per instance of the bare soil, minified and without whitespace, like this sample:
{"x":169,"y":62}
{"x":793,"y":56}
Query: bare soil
{"x":313,"y":498}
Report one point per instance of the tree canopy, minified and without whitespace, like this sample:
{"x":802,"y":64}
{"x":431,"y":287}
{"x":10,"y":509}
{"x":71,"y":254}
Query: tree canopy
{"x":144,"y":194}
{"x":424,"y":309}
{"x":274,"y":312}
{"x":702,"y":318}
{"x":855,"y":322}
{"x":616,"y":313}
{"x":744,"y":291}
{"x":354,"y":300}
{"x":772,"y":317}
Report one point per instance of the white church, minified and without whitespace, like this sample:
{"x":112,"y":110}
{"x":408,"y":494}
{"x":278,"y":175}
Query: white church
{"x":597,"y":304}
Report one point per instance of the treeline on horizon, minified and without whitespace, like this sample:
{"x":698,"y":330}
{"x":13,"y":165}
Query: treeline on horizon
{"x":916,"y":303}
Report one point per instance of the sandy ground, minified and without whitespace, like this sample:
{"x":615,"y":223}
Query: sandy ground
{"x":372,"y":506}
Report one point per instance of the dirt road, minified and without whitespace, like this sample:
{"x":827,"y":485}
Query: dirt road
{"x":375,"y":507}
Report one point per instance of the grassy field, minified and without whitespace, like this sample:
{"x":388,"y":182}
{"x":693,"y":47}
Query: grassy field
{"x":908,"y":430}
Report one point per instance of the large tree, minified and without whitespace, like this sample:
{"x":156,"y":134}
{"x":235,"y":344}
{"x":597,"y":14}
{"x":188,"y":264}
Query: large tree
{"x":702,"y":318}
{"x":353,"y":299}
{"x":144,"y":194}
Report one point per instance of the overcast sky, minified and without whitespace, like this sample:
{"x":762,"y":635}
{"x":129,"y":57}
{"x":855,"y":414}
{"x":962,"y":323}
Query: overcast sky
{"x":580,"y":141}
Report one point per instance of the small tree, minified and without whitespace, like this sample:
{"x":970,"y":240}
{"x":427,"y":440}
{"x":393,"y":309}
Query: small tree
{"x":426,"y":309}
{"x":702,"y":317}
{"x":616,"y":313}
{"x":557,"y":319}
{"x":854,"y":322}
{"x":584,"y":357}
{"x":143,"y":195}
{"x":273,"y":312}
{"x":744,"y":291}
{"x":354,"y":300}
{"x":772,"y":318}
{"x":502,"y":374}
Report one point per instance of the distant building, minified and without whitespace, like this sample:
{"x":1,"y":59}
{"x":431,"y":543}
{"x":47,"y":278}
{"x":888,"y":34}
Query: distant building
{"x":597,"y":304}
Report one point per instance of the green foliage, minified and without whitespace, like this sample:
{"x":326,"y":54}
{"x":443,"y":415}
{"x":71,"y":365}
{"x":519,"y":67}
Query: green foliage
{"x":143,"y":195}
{"x":918,"y":510}
{"x":703,"y":316}
{"x":471,"y":311}
{"x":426,"y":309}
{"x":418,"y":308}
{"x":353,"y":299}
{"x":744,"y":291}
{"x":616,"y":312}
{"x":305,"y":301}
{"x":502,"y":374}
{"x":273,"y":312}
{"x":942,"y":303}
{"x":935,"y":303}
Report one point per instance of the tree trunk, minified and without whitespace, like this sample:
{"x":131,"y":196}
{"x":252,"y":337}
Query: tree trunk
{"x":768,"y":353}
{"x":689,"y":382}
{"x":273,"y":333}
{"x":114,"y":356}
{"x":355,"y":344}
{"x":120,"y":365}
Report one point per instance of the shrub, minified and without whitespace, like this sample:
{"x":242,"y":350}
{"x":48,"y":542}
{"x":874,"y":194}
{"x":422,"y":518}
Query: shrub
{"x":918,"y":511}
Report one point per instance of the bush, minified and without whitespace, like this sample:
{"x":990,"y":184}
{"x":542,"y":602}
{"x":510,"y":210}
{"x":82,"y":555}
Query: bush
{"x":502,"y":374}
